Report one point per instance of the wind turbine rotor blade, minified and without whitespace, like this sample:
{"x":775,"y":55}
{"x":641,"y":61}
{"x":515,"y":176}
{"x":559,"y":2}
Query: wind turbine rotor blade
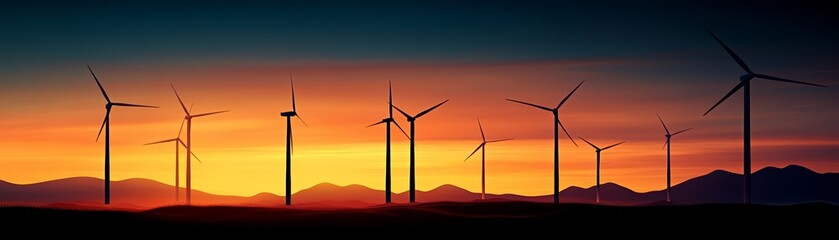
{"x":210,"y":113}
{"x":566,"y":132}
{"x":402,"y":112}
{"x":569,"y":95}
{"x":301,"y":119}
{"x":432,"y":108}
{"x":731,"y":53}
{"x":400,"y":129}
{"x":133,"y":105}
{"x":733,"y":90}
{"x":482,"y":130}
{"x":662,"y":123}
{"x":107,"y":115}
{"x":767,"y":77}
{"x":674,"y":134}
{"x":104,"y":94}
{"x":589,"y":143}
{"x":389,"y":100}
{"x":196,"y":157}
{"x":500,"y":140}
{"x":293,"y":103}
{"x":182,"y":127}
{"x":476,"y":150}
{"x":530,"y":104}
{"x":162,"y":141}
{"x":613,"y":145}
{"x":380,"y":122}
{"x":665,"y":145}
{"x":179,"y":98}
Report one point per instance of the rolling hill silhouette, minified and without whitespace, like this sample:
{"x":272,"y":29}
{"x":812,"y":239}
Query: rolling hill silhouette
{"x":771,"y":185}
{"x":130,"y":193}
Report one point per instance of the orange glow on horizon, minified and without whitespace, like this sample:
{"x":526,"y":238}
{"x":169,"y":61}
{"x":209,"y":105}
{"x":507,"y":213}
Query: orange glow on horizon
{"x":52,"y":135}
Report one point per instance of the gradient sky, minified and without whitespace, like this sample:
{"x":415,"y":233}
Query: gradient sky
{"x":636,"y":59}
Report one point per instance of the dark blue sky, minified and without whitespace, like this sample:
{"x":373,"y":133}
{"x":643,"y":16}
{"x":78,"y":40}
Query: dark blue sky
{"x":60,"y":32}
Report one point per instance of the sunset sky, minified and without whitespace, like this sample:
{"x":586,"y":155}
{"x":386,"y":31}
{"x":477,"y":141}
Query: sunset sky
{"x":636,"y":61}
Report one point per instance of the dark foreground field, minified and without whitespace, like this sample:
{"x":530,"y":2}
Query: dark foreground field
{"x":479,"y":218}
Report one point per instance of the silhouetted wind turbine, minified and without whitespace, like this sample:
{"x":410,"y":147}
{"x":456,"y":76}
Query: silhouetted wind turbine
{"x":744,"y":84}
{"x":289,"y":143}
{"x":188,"y":117}
{"x":598,"y":150}
{"x":667,"y":144}
{"x":177,"y":141}
{"x":412,"y":119}
{"x":106,"y":124}
{"x":482,"y":147}
{"x":388,"y":120}
{"x":557,"y":125}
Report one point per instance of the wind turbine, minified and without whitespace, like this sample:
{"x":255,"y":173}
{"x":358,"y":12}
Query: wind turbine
{"x":177,"y":141}
{"x":188,"y":117}
{"x":667,"y":144}
{"x":388,"y":120}
{"x":557,"y":125}
{"x":482,"y":147}
{"x":744,"y":84}
{"x":106,"y":124}
{"x":289,"y":143}
{"x":598,"y":150}
{"x":412,"y":120}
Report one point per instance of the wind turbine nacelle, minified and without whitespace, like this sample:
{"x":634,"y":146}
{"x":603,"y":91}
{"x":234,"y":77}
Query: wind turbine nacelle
{"x":288,"y":114}
{"x":747,"y":77}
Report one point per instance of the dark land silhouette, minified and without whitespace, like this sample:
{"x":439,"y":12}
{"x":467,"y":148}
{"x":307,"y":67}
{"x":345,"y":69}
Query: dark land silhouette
{"x":439,"y":218}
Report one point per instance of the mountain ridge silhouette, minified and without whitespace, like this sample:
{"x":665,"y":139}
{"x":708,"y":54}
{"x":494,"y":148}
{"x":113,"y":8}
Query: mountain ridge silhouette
{"x":772,"y":185}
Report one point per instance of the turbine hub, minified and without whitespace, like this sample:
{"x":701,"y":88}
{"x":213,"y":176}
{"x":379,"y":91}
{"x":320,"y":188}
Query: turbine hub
{"x":747,"y":77}
{"x":288,"y":114}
